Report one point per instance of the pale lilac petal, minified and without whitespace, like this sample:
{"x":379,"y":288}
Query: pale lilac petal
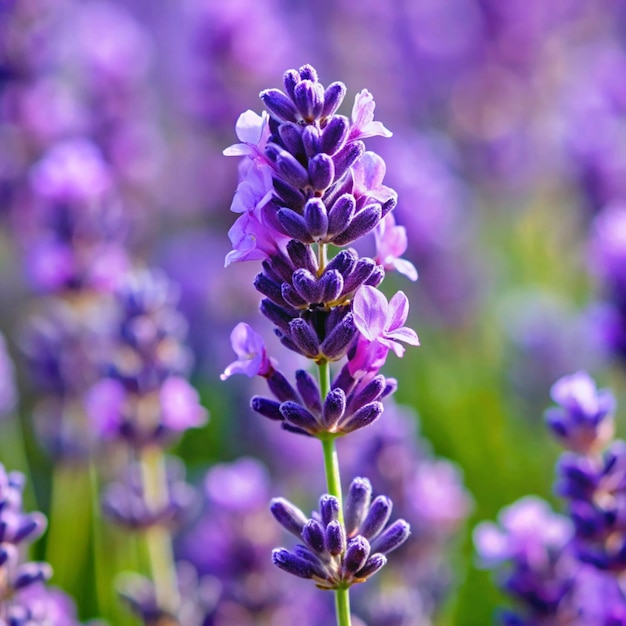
{"x":369,"y":171}
{"x":368,"y":357}
{"x":370,"y":312}
{"x":406,"y":268}
{"x":408,"y":335}
{"x":398,"y":311}
{"x":363,"y":124}
{"x":250,"y":348}
{"x":252,"y":131}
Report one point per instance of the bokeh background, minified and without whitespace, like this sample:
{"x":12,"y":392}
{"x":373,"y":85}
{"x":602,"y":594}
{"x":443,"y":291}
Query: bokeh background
{"x":509,"y":157}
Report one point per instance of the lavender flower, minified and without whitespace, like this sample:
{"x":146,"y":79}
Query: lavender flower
{"x":339,"y":554}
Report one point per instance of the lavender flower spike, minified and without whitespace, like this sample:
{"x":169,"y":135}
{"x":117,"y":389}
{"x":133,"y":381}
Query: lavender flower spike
{"x":335,"y":555}
{"x":584,"y":420}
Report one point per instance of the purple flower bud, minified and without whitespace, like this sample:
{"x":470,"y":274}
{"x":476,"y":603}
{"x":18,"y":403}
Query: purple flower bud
{"x":292,"y":297}
{"x":291,"y":170}
{"x":306,"y":285}
{"x":369,"y":392}
{"x":335,"y":538}
{"x":311,"y":141}
{"x":321,"y":173}
{"x":376,"y":277}
{"x":279,"y":105}
{"x":340,"y":339}
{"x":309,"y":99}
{"x":344,"y":262}
{"x":333,"y":97}
{"x":290,"y":79}
{"x":266,"y":407}
{"x":30,"y":527}
{"x":289,"y":516}
{"x":302,"y":256}
{"x":313,"y":535}
{"x":377,"y":516}
{"x":331,"y":285}
{"x":347,"y":156}
{"x":291,"y":563}
{"x":297,"y":415}
{"x":291,"y":135}
{"x":335,"y":134}
{"x":372,"y":565}
{"x":361,"y":224}
{"x":281,"y":387}
{"x":304,"y":338}
{"x":362,"y":272}
{"x":316,"y":218}
{"x":294,"y":225}
{"x":289,"y":195}
{"x":357,"y":505}
{"x":340,"y":215}
{"x":334,"y":407}
{"x":30,"y":573}
{"x":357,"y":552}
{"x":309,"y":391}
{"x":393,"y":537}
{"x":329,"y":509}
{"x":279,"y":316}
{"x":362,"y":418}
{"x":264,"y":285}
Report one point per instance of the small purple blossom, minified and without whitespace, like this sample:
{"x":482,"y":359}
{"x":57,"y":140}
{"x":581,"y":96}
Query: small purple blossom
{"x":381,"y":326}
{"x":391,"y":244}
{"x":363,"y":124}
{"x":250,"y":348}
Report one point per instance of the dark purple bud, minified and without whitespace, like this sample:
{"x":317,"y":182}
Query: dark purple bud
{"x":362,"y":223}
{"x":7,"y":552}
{"x":392,"y":538}
{"x":389,"y":205}
{"x":357,"y":552}
{"x":376,"y":277}
{"x":293,"y":429}
{"x":307,"y":286}
{"x":291,"y":135}
{"x":340,"y":338}
{"x":290,"y":195}
{"x":297,"y":415}
{"x":330,"y":285}
{"x":333,"y":97}
{"x":291,"y":296}
{"x":377,"y":517}
{"x":344,"y":380}
{"x":347,"y":157}
{"x":357,"y":504}
{"x":344,"y":262}
{"x":308,"y":72}
{"x":278,"y":315}
{"x":266,"y":407}
{"x":340,"y":214}
{"x":30,"y":527}
{"x":309,"y":99}
{"x":289,"y":516}
{"x":391,"y":385}
{"x":321,"y":172}
{"x":309,"y":391}
{"x":334,"y":407}
{"x":313,"y":535}
{"x":335,"y":134}
{"x":316,"y":218}
{"x":329,"y":509}
{"x":291,"y":563}
{"x":30,"y":573}
{"x":363,"y":417}
{"x":281,"y":387}
{"x":311,"y":141}
{"x":302,"y":256}
{"x":372,"y":565}
{"x":368,"y":393}
{"x":269,"y":288}
{"x":294,"y":225}
{"x":280,"y":267}
{"x":341,"y":187}
{"x":279,"y":105}
{"x":304,"y":553}
{"x":291,"y":170}
{"x":335,"y":538}
{"x":290,"y":79}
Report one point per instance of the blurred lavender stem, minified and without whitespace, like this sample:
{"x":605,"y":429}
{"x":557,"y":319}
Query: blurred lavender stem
{"x":158,"y":537}
{"x":333,"y":481}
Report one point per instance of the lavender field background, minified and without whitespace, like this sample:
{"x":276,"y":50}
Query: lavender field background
{"x":509,"y":158}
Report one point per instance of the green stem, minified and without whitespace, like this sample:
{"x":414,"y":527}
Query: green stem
{"x":158,"y":539}
{"x":333,"y":481}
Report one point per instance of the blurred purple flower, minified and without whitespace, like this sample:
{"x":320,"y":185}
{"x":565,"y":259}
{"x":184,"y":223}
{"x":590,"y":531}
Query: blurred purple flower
{"x":391,"y":244}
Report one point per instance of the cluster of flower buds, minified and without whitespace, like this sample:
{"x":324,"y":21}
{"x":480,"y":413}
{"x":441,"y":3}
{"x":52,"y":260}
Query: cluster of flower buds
{"x":337,"y":554}
{"x":591,"y":475}
{"x":145,"y":399}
